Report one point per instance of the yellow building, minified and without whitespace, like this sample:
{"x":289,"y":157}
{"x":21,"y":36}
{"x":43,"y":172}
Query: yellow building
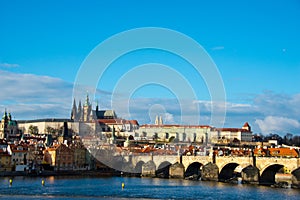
{"x":5,"y":161}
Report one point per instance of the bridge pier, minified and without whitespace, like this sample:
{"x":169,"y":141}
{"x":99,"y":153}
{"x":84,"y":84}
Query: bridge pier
{"x":177,"y":171}
{"x":296,"y":179}
{"x":250,"y":175}
{"x":210,"y":172}
{"x":148,"y":169}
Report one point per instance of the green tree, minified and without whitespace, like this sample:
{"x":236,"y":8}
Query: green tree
{"x":33,"y":130}
{"x":49,"y":130}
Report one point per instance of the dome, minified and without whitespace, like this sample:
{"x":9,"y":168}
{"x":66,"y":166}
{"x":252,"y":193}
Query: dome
{"x":12,"y":123}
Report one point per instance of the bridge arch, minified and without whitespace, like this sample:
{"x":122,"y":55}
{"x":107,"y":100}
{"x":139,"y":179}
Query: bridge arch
{"x":268,"y":174}
{"x":228,"y":172}
{"x":138,"y":167}
{"x":193,"y":170}
{"x":163,"y":169}
{"x":127,"y":168}
{"x":296,"y":178}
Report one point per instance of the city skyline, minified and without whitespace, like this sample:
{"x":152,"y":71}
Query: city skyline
{"x":255,"y":46}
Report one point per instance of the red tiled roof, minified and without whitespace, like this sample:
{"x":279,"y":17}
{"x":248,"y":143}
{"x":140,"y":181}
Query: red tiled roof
{"x":232,"y":129}
{"x":134,"y":122}
{"x":283,"y":152}
{"x":118,"y":121}
{"x":277,"y":152}
{"x":173,"y":125}
{"x":110,"y":121}
{"x":246,"y":124}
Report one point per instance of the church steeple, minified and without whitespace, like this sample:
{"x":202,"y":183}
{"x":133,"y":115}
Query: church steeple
{"x":5,"y":115}
{"x":83,"y":112}
{"x":4,"y":126}
{"x":87,"y":100}
{"x":97,"y":106}
{"x":9,"y":117}
{"x":87,"y":108}
{"x":79,"y":111}
{"x":74,"y":111}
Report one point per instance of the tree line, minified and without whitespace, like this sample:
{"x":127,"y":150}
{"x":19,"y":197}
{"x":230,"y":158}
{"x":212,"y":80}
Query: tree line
{"x":287,"y":139}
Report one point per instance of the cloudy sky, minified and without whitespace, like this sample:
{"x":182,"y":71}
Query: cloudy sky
{"x":254,"y":48}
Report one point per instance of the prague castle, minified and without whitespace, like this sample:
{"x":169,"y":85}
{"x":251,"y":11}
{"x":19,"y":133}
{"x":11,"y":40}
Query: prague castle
{"x":86,"y":121}
{"x":85,"y":113}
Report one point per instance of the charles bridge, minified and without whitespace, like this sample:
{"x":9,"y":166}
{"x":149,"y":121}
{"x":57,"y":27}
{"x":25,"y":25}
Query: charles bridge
{"x":251,"y":169}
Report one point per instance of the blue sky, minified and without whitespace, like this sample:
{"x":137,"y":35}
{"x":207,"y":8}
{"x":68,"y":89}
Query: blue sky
{"x":254,"y":44}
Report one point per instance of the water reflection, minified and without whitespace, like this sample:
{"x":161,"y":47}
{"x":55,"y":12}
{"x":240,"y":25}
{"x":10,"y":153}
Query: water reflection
{"x":104,"y":188}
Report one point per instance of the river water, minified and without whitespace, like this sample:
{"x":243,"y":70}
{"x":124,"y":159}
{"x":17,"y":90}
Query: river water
{"x":135,"y":188}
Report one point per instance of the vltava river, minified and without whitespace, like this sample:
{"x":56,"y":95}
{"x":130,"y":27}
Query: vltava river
{"x":135,"y":188}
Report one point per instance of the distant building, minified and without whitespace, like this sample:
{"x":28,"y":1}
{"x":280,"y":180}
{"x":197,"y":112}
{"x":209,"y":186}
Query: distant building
{"x":192,"y":133}
{"x":243,"y":134}
{"x":5,"y":156}
{"x":174,"y":132}
{"x":276,"y":152}
{"x":101,"y":121}
{"x":61,"y":157}
{"x":86,"y":114}
{"x":19,"y":156}
{"x":158,"y":120}
{"x":48,"y":126}
{"x":8,"y":127}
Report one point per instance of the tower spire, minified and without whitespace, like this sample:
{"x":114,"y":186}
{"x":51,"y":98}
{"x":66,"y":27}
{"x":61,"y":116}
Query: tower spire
{"x":97,"y":106}
{"x":74,"y":111}
{"x":87,"y":100}
{"x":79,"y":111}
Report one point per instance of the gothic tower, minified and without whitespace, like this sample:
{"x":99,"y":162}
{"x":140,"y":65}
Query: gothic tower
{"x":87,"y":108}
{"x":83,"y":113}
{"x":74,"y":111}
{"x":79,"y":112}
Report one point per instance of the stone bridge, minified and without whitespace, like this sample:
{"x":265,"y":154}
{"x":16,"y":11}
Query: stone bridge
{"x":254,"y":170}
{"x":149,"y":164}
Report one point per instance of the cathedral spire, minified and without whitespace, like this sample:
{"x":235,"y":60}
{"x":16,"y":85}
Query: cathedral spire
{"x":74,"y":111}
{"x":79,"y":111}
{"x":97,"y":106}
{"x":87,"y":100}
{"x":87,"y":108}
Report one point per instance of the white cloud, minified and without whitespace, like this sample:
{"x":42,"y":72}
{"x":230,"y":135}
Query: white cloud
{"x":169,"y":118}
{"x":9,"y":65}
{"x":270,"y":103}
{"x":30,"y":96}
{"x":281,"y":125}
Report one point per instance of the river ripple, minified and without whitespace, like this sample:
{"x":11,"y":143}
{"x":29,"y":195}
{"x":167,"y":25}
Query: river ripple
{"x":135,"y":188}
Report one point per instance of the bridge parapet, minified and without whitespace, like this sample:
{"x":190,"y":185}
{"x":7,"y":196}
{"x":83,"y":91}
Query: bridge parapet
{"x":243,"y":162}
{"x":187,"y":160}
{"x":264,"y":162}
{"x":157,"y":159}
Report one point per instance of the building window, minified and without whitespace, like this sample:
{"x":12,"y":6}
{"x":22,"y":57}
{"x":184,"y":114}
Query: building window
{"x":167,"y":135}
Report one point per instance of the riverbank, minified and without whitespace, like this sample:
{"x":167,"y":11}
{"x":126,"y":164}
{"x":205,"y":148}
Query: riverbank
{"x":58,"y":173}
{"x":96,"y":173}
